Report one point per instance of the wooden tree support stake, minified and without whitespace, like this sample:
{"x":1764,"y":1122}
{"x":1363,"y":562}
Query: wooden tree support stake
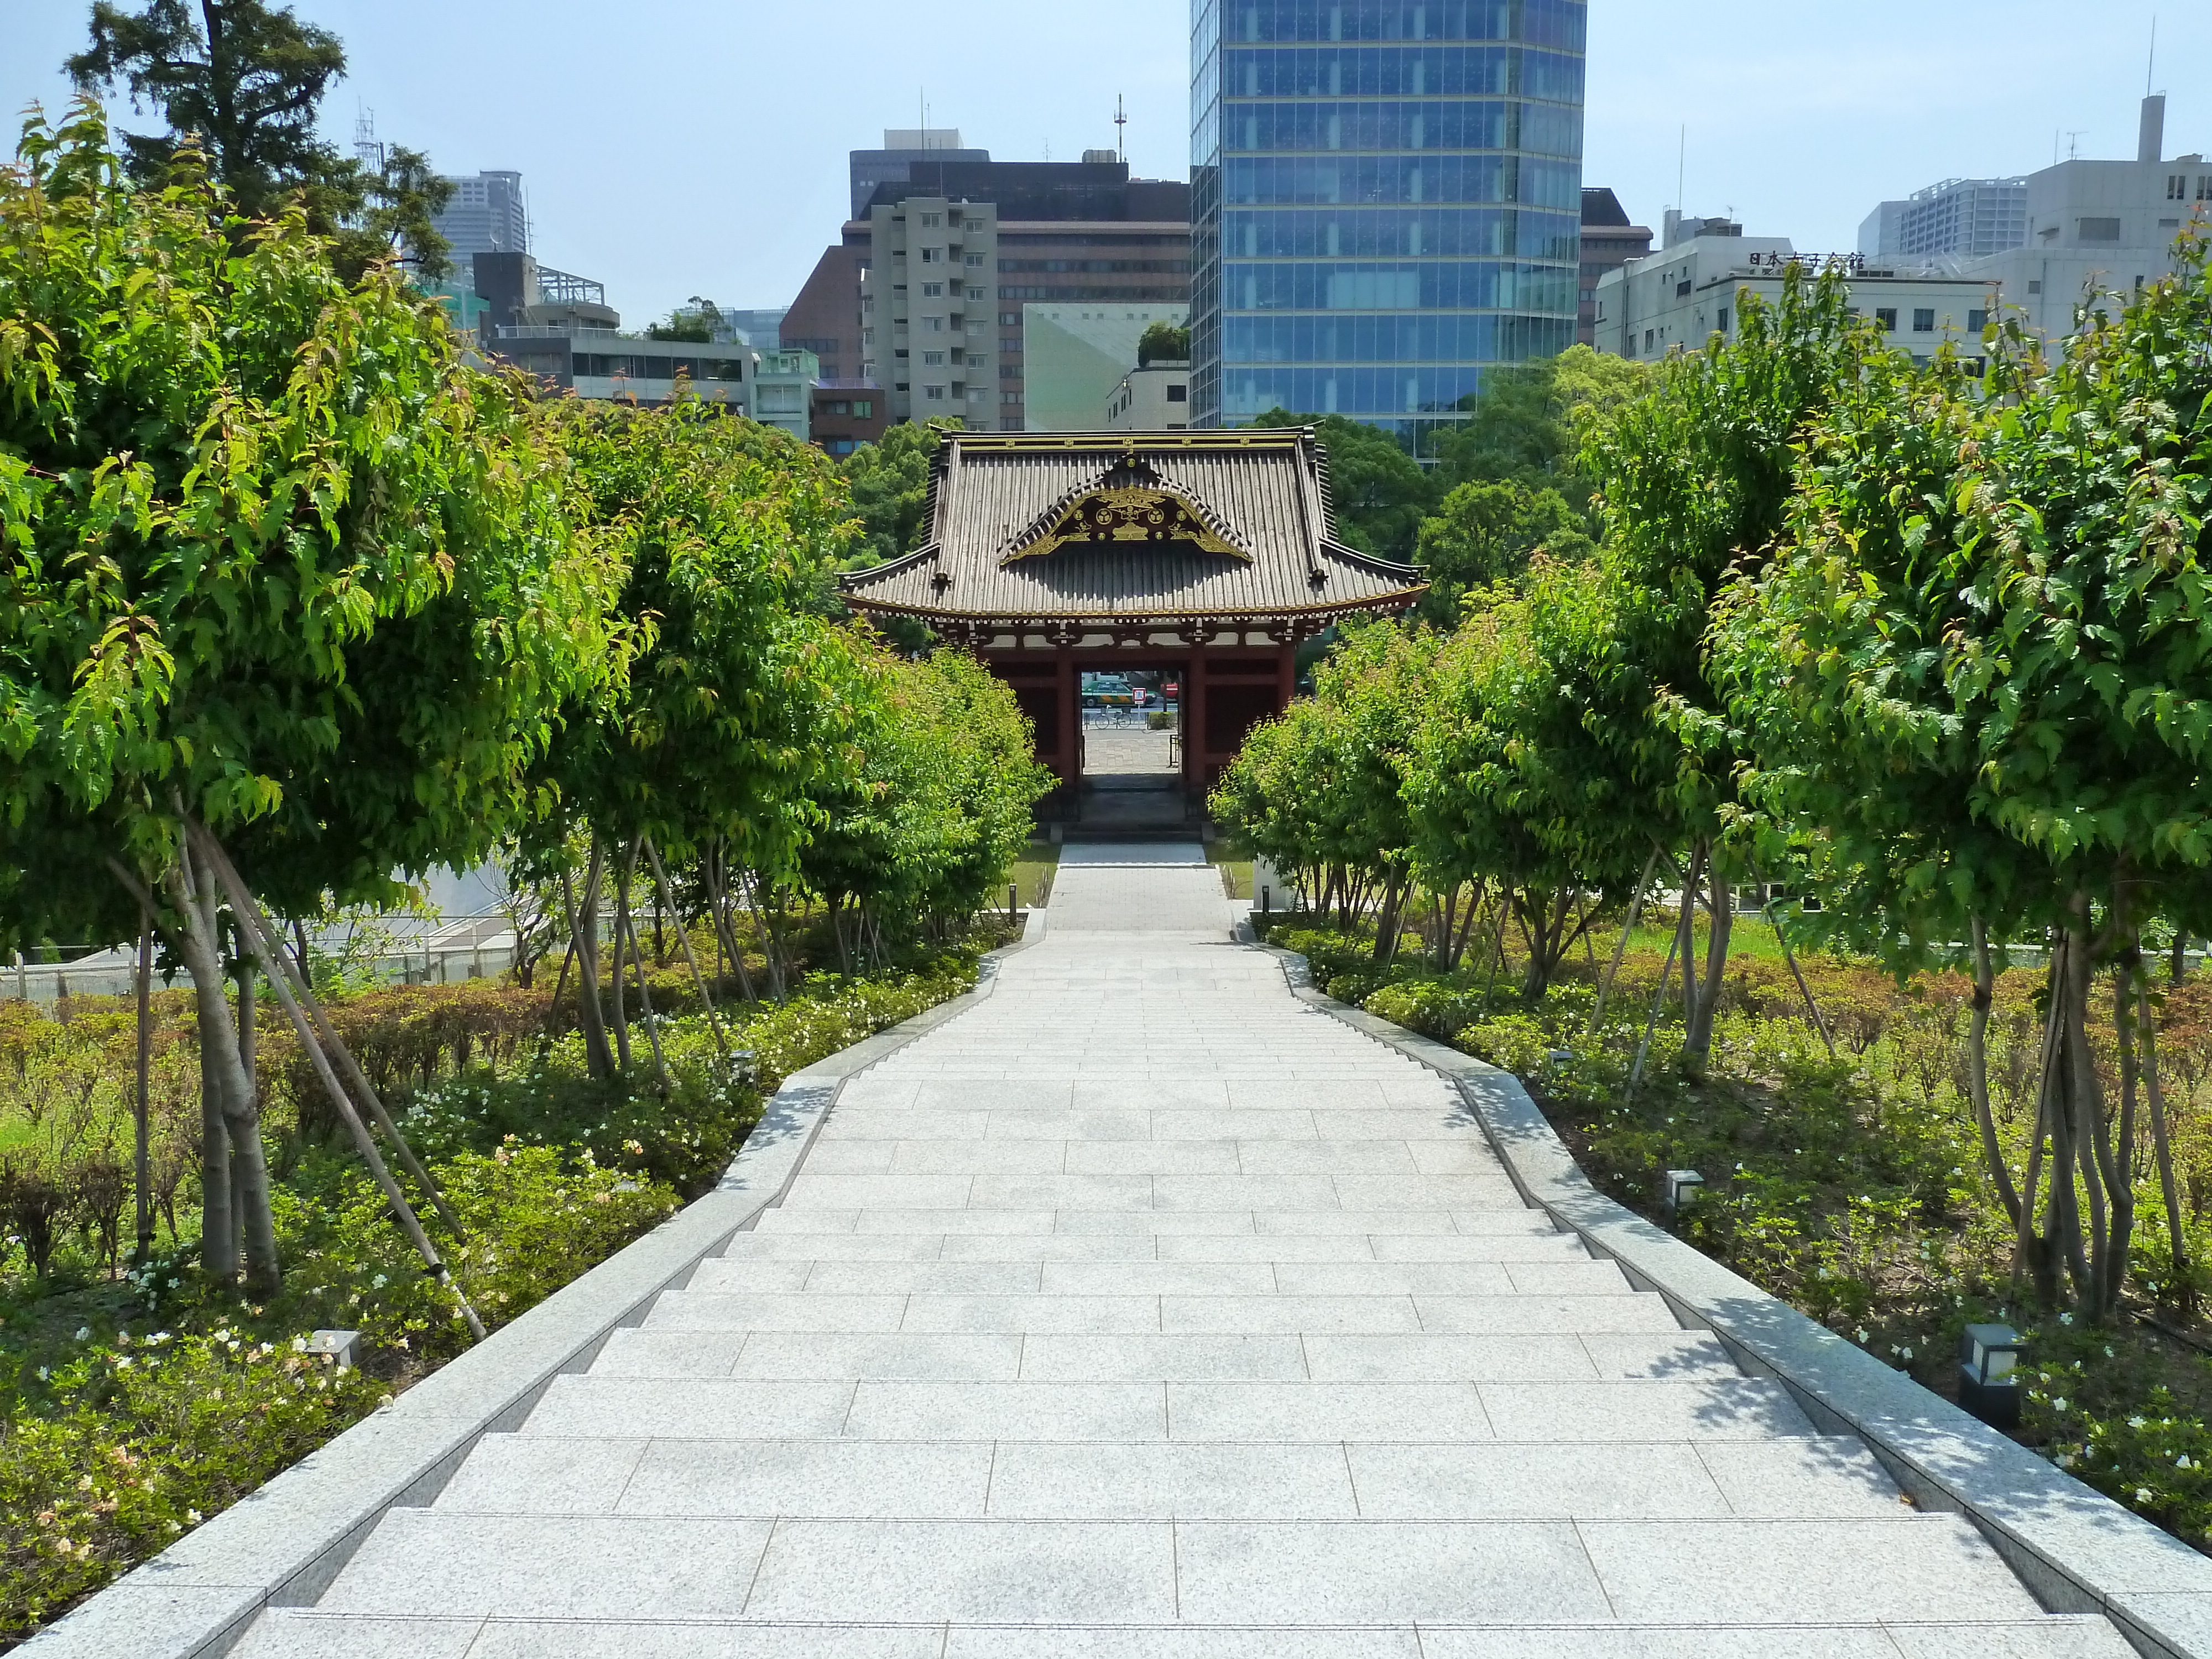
{"x":683,"y":933}
{"x":249,"y":917}
{"x":332,"y":1043}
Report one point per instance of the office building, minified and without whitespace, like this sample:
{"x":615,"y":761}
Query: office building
{"x":1075,"y":356}
{"x":902,"y":148}
{"x":1965,"y":217}
{"x":1056,"y":233}
{"x":1153,"y":398}
{"x":1678,"y":298}
{"x":1609,"y":242}
{"x":2100,"y":226}
{"x":486,"y":215}
{"x":845,"y":417}
{"x":1386,"y":201}
{"x":559,"y":327}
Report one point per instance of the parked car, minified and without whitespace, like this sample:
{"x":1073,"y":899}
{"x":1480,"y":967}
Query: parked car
{"x":1107,"y":691}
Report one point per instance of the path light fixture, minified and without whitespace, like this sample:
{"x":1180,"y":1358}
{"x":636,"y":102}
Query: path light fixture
{"x":341,"y":1348}
{"x":1988,"y":1374}
{"x":1678,"y":1188}
{"x":1267,"y":895}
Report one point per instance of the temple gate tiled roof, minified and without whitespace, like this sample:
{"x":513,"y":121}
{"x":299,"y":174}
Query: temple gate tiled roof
{"x":1127,"y":528}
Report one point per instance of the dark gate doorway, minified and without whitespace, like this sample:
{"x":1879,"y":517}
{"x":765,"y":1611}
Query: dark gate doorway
{"x":1131,"y":748}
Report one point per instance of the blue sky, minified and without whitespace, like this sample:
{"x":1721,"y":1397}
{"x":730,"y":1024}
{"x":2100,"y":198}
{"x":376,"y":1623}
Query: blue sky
{"x":676,"y":147}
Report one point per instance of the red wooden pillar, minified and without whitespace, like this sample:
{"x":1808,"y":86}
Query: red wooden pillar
{"x":1195,"y":739}
{"x":1069,"y":702}
{"x":1286,"y":677}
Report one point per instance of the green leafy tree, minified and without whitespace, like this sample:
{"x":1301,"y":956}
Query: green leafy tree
{"x":699,"y":322}
{"x":1163,"y":342}
{"x":889,"y":484}
{"x":1695,"y":479}
{"x":736,"y":700}
{"x":244,"y":81}
{"x":1977,"y":677}
{"x":278,"y":564}
{"x":1486,"y":533}
{"x":1379,"y":492}
{"x":1526,"y":425}
{"x":1516,"y":781}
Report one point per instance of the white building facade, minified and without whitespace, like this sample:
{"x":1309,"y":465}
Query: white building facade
{"x":1678,"y":298}
{"x":1154,"y":398}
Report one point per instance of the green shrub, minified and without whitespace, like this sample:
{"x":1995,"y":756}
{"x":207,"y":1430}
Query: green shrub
{"x":123,"y":1448}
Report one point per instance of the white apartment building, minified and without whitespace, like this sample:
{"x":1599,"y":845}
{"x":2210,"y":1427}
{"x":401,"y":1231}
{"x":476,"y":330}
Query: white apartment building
{"x":1678,"y":298}
{"x":1153,"y":398}
{"x":925,"y":308}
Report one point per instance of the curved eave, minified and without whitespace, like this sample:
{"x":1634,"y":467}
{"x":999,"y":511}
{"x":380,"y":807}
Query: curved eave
{"x":1397,"y":599}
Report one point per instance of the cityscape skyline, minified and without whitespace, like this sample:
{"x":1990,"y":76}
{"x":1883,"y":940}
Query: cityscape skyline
{"x":1800,"y":130}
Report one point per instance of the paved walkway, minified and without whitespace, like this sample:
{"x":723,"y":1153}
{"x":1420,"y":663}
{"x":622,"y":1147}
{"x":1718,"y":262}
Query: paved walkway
{"x":1144,"y":1313}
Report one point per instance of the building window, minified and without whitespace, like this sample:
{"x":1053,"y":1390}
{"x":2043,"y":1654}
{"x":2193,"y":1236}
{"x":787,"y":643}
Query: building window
{"x":2204,"y":186}
{"x":932,"y":256}
{"x":1885,"y":318}
{"x":933,"y":290}
{"x":1010,"y":397}
{"x":2176,"y":186}
{"x":1178,"y":394}
{"x":1010,"y":371}
{"x":978,"y":294}
{"x":1977,"y":321}
{"x":933,"y":360}
{"x":934,"y":394}
{"x":2097,"y":230}
{"x":932,"y":325}
{"x":1010,"y":319}
{"x":1682,"y":288}
{"x":1647,"y":339}
{"x":932,"y":220}
{"x":1923,"y":319}
{"x":2035,"y":287}
{"x":974,"y":262}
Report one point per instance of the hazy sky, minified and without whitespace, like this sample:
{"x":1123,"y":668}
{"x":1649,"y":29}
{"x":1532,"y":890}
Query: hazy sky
{"x":676,"y":146}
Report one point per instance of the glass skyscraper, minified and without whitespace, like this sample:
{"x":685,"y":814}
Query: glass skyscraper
{"x":1386,"y":199}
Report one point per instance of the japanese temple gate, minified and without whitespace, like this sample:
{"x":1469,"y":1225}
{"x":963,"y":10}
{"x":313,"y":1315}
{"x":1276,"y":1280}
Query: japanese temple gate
{"x":1210,"y":555}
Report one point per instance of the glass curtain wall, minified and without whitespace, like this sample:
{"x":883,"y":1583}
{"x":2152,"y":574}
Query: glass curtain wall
{"x":1386,"y":197}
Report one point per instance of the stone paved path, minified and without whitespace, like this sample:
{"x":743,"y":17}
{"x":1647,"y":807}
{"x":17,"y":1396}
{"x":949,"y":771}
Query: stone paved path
{"x":1143,"y":1312}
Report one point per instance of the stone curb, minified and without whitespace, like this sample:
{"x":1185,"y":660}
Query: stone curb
{"x":2074,"y":1548}
{"x":282,"y":1545}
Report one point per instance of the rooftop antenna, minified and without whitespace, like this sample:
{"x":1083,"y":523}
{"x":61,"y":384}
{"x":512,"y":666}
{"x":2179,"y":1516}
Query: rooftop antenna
{"x":2073,"y":137}
{"x":1681,"y":160}
{"x":1120,"y":129}
{"x":2150,"y":68}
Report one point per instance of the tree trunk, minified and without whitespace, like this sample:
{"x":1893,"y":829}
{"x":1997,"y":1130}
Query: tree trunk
{"x":1628,"y":927}
{"x":1697,"y":1040}
{"x":248,"y":1217}
{"x":683,"y":933}
{"x":583,"y":930}
{"x":1978,"y":1073}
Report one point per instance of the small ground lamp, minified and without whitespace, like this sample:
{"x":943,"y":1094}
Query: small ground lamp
{"x":1988,"y":1374}
{"x":341,"y":1347}
{"x":1678,"y":1188}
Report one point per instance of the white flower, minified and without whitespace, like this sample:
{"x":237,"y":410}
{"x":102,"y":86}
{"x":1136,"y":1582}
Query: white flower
{"x":82,"y":1332}
{"x":378,"y":1283}
{"x":2066,"y":1319}
{"x":2059,"y":1404}
{"x":2143,"y":1494}
{"x":2183,"y":1462}
{"x":192,"y":1517}
{"x":1906,"y":1352}
{"x":1862,"y":1335}
{"x":2134,"y":1422}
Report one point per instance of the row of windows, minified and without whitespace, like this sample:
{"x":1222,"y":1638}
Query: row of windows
{"x":1371,"y":392}
{"x":2177,"y":187}
{"x":1469,"y":123}
{"x":858,"y":409}
{"x":1112,"y":238}
{"x":1438,"y":339}
{"x":1150,"y":267}
{"x":611,"y":364}
{"x":1401,"y":72}
{"x":1162,"y":296}
{"x":1389,"y":232}
{"x":1560,"y":23}
{"x":1468,"y":285}
{"x":1297,"y":180}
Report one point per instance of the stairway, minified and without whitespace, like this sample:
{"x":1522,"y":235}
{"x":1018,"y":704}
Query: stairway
{"x":1143,"y":1312}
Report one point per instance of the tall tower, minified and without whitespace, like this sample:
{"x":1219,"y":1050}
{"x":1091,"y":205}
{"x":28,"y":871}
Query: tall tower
{"x":1385,"y":200}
